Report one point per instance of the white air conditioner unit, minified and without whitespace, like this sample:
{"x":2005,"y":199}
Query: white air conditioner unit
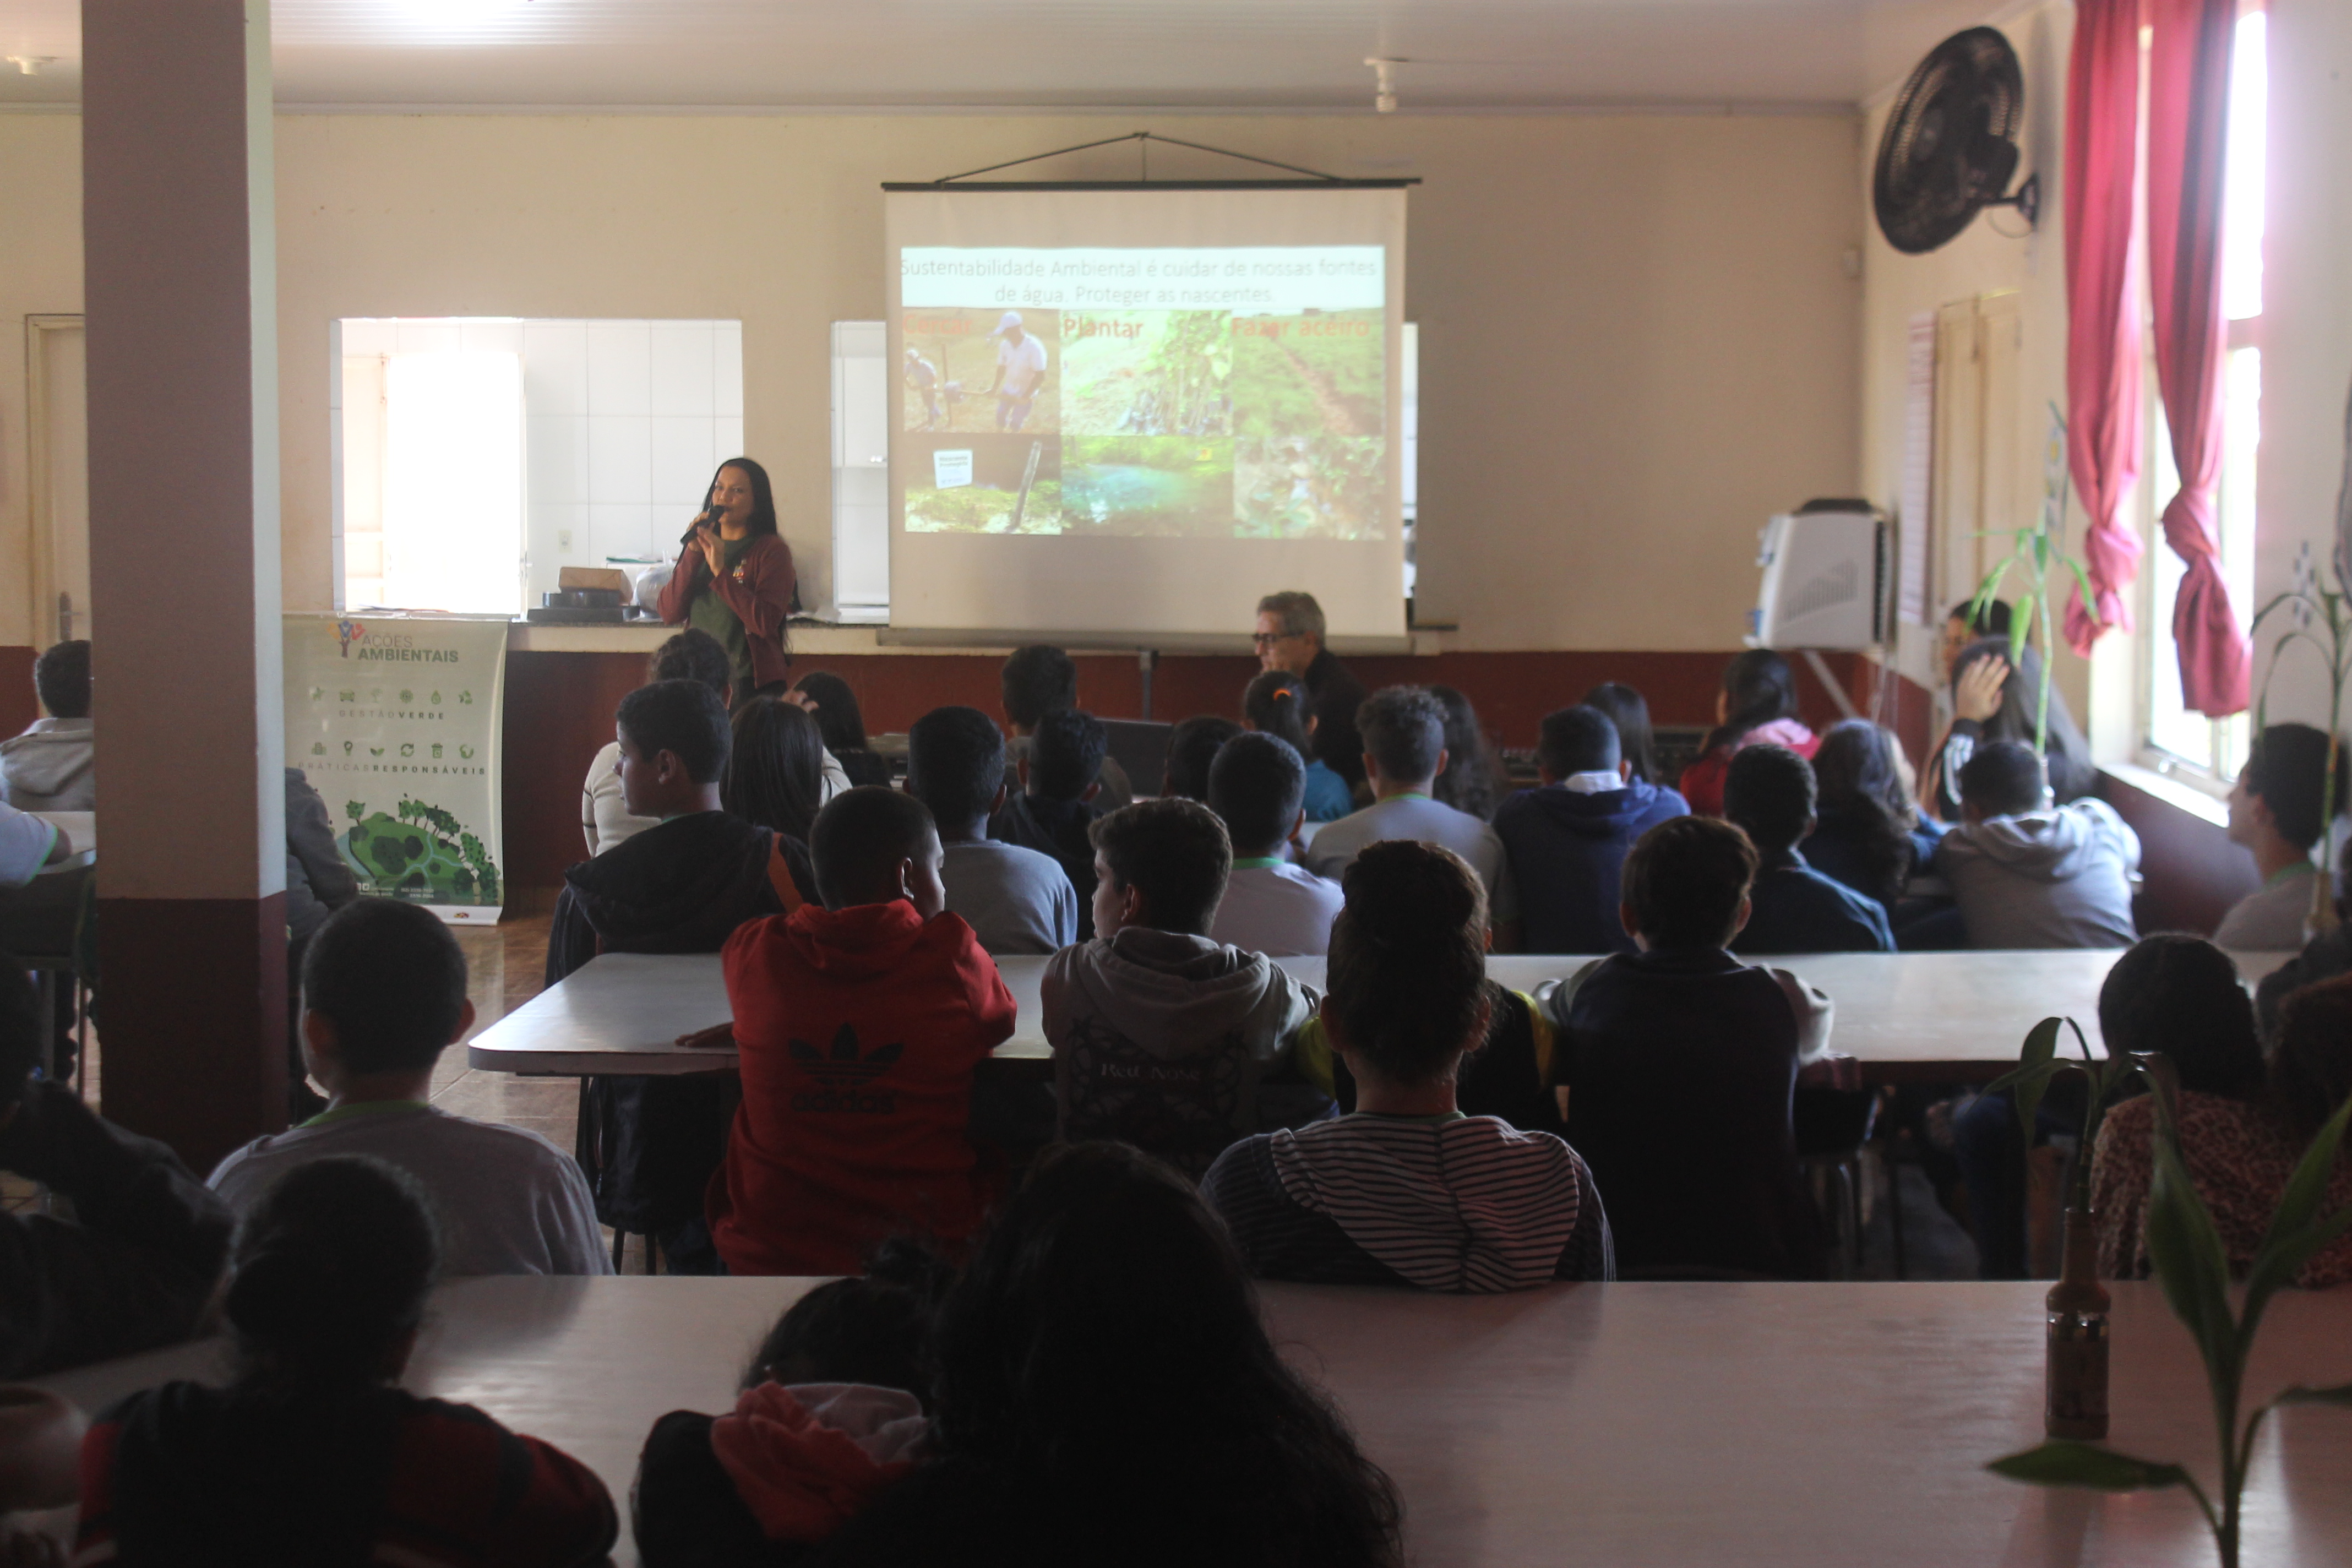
{"x":1824,"y":579}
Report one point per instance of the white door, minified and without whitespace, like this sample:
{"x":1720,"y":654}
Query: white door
{"x":58,"y":400}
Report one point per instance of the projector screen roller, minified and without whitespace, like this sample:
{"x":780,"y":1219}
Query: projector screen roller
{"x":1122,"y":417}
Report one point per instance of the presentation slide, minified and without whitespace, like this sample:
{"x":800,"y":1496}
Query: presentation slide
{"x":1127,"y":440}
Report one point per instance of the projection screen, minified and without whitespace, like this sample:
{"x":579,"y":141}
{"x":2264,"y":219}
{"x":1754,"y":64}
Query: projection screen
{"x":1122,"y":415}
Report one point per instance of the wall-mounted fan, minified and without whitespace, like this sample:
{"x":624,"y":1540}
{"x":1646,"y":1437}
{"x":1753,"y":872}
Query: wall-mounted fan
{"x":1950,"y":144}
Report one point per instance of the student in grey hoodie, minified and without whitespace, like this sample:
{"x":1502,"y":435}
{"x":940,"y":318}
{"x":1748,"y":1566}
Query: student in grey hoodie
{"x":2029,"y":874}
{"x":52,"y":766}
{"x":1408,"y":1190}
{"x":1161,"y":1037}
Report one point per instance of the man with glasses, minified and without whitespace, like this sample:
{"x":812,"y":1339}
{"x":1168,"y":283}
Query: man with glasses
{"x":1290,"y":637}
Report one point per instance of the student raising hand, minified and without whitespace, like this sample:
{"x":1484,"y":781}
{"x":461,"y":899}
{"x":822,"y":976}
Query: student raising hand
{"x":1975,"y":695}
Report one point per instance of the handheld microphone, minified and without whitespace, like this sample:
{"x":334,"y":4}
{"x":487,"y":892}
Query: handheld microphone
{"x":709,"y":514}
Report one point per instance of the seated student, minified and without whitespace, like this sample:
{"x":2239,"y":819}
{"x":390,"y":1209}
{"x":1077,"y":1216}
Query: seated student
{"x":1677,"y":1067}
{"x":1014,"y":900}
{"x":838,"y":720}
{"x":1567,"y":840}
{"x":2171,"y":992}
{"x":1994,"y":699}
{"x":1162,"y":1038}
{"x":763,"y":1484}
{"x":2240,"y":1144}
{"x":860,"y":1024}
{"x":384,"y":988}
{"x":2029,"y":874}
{"x":52,"y":766}
{"x":135,"y":1267}
{"x":1756,"y":706}
{"x":2277,"y":814}
{"x":1867,"y":830}
{"x":2326,"y":955}
{"x":649,"y":1144}
{"x":1276,"y":703}
{"x":604,"y":817}
{"x":1256,"y":786}
{"x":1404,"y":750}
{"x":1193,"y":745}
{"x":1408,"y":1190}
{"x":318,"y":881}
{"x":1636,"y":742}
{"x":1106,"y":1394}
{"x":1041,"y":679}
{"x":1473,"y":780}
{"x":1060,"y":794}
{"x":775,"y":767}
{"x":312,"y":1452}
{"x":28,"y":843}
{"x":1767,"y":792}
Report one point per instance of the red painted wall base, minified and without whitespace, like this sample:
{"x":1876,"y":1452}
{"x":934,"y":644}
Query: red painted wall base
{"x":192,"y":1013}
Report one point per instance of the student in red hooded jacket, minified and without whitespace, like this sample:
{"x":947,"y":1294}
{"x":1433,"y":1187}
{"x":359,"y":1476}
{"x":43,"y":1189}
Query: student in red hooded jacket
{"x":859,"y":1025}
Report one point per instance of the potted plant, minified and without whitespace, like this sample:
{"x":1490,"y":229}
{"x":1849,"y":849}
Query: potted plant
{"x":2186,"y":1250}
{"x":2039,"y":552}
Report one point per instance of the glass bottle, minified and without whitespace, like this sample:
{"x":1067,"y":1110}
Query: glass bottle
{"x":2076,"y":1400}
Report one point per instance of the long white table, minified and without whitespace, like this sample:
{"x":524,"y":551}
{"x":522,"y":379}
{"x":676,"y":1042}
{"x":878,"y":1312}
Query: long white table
{"x":1627,"y":1426}
{"x":1909,"y":1017}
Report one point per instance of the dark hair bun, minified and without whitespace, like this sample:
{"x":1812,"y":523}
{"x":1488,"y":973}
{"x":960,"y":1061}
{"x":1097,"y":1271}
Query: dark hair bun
{"x":1403,"y":893}
{"x":333,"y":1266}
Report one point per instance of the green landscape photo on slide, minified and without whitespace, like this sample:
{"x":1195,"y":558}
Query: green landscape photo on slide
{"x":1147,"y":486}
{"x":1311,"y":373}
{"x":1310,"y":487}
{"x":1146,"y":373}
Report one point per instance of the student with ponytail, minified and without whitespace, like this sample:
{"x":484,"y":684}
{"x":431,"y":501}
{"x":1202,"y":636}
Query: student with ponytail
{"x":1756,"y":706}
{"x":1275,"y":703}
{"x":1408,"y":1190}
{"x":312,"y":1453}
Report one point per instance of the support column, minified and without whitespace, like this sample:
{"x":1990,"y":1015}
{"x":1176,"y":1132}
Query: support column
{"x":178,"y":233}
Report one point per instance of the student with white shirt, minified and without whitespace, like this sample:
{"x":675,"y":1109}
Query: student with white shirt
{"x":1404,"y":729}
{"x":1257,"y":784}
{"x":1014,"y":900}
{"x":384,"y":990}
{"x":2277,"y":813}
{"x":692,"y":655}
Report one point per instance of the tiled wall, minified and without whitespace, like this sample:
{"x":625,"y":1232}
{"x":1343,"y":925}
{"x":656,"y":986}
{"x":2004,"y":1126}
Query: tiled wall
{"x":626,"y":422}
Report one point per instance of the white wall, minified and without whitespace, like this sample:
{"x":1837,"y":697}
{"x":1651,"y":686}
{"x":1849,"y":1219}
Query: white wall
{"x":1986,"y":260}
{"x":1638,"y":335}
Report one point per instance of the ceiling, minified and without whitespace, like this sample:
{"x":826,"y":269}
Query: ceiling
{"x":1058,"y":54}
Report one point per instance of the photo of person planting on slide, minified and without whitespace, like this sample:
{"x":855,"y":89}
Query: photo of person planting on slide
{"x":1020,"y":372}
{"x":980,"y":371}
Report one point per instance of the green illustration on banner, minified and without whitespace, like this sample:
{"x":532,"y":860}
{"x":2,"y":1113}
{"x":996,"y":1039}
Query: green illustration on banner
{"x":417,"y":776}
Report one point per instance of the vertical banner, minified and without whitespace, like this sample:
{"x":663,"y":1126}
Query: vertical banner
{"x":396,"y":721}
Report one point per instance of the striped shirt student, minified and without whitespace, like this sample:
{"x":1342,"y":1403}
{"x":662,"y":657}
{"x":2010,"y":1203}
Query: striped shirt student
{"x":1408,"y":1191}
{"x":1465,"y":1203}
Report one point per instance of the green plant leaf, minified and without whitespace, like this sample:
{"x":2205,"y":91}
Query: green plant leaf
{"x":2191,"y":1262}
{"x":2029,"y":1081}
{"x":2339,"y":1394}
{"x":2067,"y":1464}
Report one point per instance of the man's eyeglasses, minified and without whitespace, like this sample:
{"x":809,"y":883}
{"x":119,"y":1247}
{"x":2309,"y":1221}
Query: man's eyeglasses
{"x":1268,"y":639}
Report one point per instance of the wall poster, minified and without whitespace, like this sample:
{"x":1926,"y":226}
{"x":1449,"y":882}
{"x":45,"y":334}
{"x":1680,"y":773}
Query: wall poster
{"x":396,"y":721}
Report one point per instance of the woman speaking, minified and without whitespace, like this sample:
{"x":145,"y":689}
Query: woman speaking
{"x":734,"y":577}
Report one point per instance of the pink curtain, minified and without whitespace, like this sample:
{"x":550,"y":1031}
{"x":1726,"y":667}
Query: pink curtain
{"x":2188,"y":99}
{"x":2102,"y":366}
{"x":2189,"y":76}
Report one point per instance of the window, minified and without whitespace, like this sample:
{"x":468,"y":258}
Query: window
{"x":2179,"y":741}
{"x":478,"y":456}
